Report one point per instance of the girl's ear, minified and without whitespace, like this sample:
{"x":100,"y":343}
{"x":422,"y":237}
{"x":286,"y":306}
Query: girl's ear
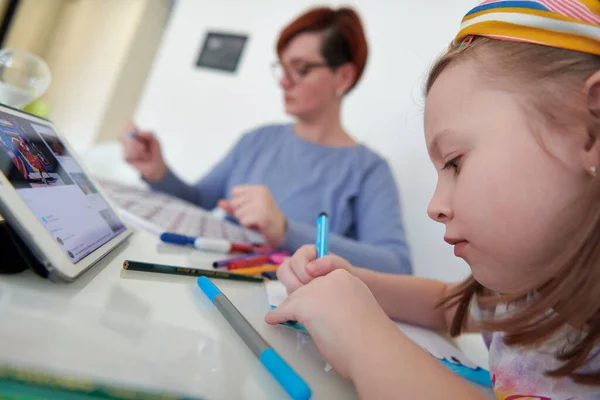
{"x":591,"y":154}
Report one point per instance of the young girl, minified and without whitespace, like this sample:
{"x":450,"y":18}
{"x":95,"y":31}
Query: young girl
{"x":512,"y":125}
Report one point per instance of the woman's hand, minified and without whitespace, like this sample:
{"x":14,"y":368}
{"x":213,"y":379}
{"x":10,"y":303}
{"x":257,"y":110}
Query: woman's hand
{"x":255,"y":208}
{"x":142,"y":150}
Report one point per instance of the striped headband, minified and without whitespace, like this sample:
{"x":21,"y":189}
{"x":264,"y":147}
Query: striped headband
{"x":567,"y":24}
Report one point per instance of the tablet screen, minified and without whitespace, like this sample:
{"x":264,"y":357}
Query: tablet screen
{"x":54,"y":187}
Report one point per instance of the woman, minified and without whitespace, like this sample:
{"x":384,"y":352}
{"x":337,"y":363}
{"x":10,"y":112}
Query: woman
{"x":278,"y":178}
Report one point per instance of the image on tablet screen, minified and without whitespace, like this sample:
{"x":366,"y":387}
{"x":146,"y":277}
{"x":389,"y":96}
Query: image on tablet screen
{"x":53,"y":185}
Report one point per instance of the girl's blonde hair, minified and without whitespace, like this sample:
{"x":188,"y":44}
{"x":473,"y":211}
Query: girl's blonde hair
{"x":550,"y":83}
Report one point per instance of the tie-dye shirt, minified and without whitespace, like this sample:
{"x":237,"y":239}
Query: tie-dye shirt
{"x":518,"y":373}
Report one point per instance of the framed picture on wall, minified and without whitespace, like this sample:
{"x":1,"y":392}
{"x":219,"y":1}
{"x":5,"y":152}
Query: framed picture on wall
{"x":221,"y":51}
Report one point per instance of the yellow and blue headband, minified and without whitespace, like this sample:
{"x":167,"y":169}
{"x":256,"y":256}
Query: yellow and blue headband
{"x":567,"y":24}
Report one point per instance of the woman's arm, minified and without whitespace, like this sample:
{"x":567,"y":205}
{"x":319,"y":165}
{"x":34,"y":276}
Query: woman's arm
{"x":209,"y":190}
{"x":380,"y":243}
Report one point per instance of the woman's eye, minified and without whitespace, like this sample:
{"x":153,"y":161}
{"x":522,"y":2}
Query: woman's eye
{"x":302,"y":70}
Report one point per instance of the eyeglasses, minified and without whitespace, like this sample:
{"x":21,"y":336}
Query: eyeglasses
{"x":294,"y":73}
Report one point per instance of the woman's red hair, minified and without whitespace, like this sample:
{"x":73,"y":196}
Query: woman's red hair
{"x":344,"y":38}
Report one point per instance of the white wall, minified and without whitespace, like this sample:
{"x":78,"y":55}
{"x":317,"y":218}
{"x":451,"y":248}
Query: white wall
{"x":135,"y":67}
{"x":203,"y":111}
{"x":85,"y":59}
{"x":100,"y":53}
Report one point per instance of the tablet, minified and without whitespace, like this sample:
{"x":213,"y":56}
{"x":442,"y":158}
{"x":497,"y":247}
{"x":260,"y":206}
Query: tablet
{"x":50,"y":201}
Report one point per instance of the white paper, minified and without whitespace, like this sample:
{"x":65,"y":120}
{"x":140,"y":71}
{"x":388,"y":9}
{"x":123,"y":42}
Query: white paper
{"x":436,"y":345}
{"x":157,"y":212}
{"x":276,"y":292}
{"x":139,"y":222}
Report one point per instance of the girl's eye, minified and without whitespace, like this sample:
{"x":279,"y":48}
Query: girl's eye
{"x":453,"y":164}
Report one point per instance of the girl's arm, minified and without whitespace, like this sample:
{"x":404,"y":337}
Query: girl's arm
{"x":357,"y":338}
{"x":412,"y":299}
{"x":396,"y":368}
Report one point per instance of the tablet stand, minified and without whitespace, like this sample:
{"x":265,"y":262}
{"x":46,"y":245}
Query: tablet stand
{"x":15,"y":256}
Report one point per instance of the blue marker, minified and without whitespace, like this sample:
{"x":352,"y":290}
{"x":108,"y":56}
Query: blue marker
{"x":478,"y":375}
{"x":292,"y":324}
{"x":207,"y":244}
{"x":293,"y":384}
{"x":322,"y":234}
{"x":133,"y":131}
{"x":322,"y":244}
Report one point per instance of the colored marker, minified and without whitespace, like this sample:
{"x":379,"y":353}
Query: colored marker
{"x":259,"y":248}
{"x":293,"y":384}
{"x":257,"y":270}
{"x":292,"y":324}
{"x":249,"y":262}
{"x":133,"y":131}
{"x":227,"y":261}
{"x":321,"y":244}
{"x":279,"y":258}
{"x":322,"y":234}
{"x":216,"y":245}
{"x":272,"y":276}
{"x":170,"y":269}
